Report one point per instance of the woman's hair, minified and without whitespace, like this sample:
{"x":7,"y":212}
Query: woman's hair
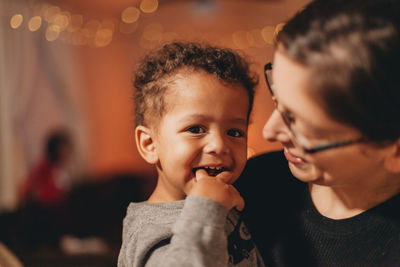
{"x":157,"y":70}
{"x":352,"y":48}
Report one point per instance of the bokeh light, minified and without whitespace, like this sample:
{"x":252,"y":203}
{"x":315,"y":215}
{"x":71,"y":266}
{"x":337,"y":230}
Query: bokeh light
{"x":103,"y":37}
{"x":61,"y":20}
{"x":130,"y":15}
{"x":35,"y":23}
{"x":16,"y":21}
{"x":50,"y":12}
{"x":52,"y":32}
{"x":149,"y":6}
{"x":268,"y":34}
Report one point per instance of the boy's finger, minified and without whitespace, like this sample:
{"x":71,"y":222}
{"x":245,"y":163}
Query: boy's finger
{"x":238,"y":200}
{"x":200,"y":174}
{"x":224,"y":177}
{"x":240,"y":203}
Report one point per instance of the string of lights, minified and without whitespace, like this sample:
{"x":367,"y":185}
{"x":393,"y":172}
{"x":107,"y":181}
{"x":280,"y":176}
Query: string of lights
{"x":75,"y":29}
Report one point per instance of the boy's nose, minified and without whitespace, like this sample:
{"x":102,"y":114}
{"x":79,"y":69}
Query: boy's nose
{"x":275,"y":129}
{"x":217,"y":144}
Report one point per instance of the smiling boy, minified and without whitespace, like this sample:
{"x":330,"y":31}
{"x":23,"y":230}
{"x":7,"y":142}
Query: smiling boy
{"x":192,"y":105}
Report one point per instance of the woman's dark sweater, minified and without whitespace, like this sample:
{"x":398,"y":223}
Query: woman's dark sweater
{"x":290,"y":232}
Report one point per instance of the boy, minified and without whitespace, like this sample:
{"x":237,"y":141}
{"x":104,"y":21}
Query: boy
{"x":192,"y":106}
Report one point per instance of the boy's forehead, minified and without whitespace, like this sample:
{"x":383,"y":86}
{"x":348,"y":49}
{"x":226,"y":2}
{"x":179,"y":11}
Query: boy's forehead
{"x":188,"y":76}
{"x":198,"y":85}
{"x":190,"y":83}
{"x":200,"y":91}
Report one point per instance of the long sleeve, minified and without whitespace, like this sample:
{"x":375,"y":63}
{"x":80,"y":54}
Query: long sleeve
{"x":198,"y":237}
{"x":193,"y":236}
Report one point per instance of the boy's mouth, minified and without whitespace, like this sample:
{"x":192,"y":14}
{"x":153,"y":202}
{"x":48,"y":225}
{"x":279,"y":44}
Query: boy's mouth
{"x":211,"y":171}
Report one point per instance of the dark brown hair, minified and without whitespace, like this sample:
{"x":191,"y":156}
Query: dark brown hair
{"x":55,"y":142}
{"x":153,"y":72}
{"x":353,"y":51}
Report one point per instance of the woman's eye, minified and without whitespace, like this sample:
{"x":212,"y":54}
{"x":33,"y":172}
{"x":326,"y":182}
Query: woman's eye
{"x":196,"y":130}
{"x":235,"y":133}
{"x":288,"y":117}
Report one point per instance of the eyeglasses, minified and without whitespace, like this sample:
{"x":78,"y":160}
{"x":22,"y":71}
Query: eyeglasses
{"x":299,"y":139}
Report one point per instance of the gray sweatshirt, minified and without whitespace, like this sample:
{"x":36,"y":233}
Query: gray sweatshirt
{"x":192,"y":232}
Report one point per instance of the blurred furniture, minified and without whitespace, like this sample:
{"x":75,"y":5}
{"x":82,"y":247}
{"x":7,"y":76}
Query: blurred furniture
{"x":90,"y":218}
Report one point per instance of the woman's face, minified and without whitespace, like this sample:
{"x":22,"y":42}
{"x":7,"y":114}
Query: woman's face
{"x":351,"y":165}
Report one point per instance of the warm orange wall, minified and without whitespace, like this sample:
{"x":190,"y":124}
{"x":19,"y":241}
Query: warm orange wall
{"x":107,"y":78}
{"x":108,"y":95}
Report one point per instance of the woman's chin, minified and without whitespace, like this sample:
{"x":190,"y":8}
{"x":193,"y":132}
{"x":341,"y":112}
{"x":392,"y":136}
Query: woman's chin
{"x":304,"y":173}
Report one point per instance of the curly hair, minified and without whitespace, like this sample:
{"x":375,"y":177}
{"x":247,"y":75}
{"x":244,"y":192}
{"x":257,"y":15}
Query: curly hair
{"x":157,"y":68}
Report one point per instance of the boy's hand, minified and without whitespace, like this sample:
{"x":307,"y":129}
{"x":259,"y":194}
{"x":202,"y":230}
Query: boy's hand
{"x":217,"y":189}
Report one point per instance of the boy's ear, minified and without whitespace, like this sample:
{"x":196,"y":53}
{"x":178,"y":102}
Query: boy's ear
{"x":392,"y":162}
{"x":145,"y":144}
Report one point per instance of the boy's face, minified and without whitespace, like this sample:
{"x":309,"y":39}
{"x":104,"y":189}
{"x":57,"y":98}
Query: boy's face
{"x":204,"y":126}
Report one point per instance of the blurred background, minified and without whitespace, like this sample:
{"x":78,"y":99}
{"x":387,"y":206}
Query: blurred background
{"x":65,"y":105}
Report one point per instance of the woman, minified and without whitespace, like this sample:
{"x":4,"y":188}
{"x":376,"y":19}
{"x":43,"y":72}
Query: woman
{"x":335,"y":81}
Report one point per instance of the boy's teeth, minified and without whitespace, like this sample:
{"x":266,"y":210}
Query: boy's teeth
{"x":212,"y":171}
{"x":213,"y":168}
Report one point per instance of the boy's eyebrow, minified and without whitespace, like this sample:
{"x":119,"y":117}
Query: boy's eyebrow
{"x":207,"y":118}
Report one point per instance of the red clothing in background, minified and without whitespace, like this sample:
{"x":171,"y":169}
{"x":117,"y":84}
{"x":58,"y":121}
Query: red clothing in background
{"x":46,"y":184}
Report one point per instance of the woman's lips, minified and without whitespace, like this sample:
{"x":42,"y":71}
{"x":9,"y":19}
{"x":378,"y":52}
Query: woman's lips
{"x":292,"y":158}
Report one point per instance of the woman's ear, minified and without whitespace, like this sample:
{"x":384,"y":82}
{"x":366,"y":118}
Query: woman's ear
{"x":145,"y":144}
{"x":392,"y":162}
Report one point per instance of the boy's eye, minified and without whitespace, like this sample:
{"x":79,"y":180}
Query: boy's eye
{"x":235,"y":133}
{"x":196,"y":130}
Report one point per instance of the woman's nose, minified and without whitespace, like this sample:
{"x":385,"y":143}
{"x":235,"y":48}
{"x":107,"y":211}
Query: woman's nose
{"x":275,"y":129}
{"x":216,"y":143}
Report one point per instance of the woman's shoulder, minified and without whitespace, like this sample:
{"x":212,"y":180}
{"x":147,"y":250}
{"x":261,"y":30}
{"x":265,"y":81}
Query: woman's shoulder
{"x":267,"y":182}
{"x":268,"y":172}
{"x":272,"y":157}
